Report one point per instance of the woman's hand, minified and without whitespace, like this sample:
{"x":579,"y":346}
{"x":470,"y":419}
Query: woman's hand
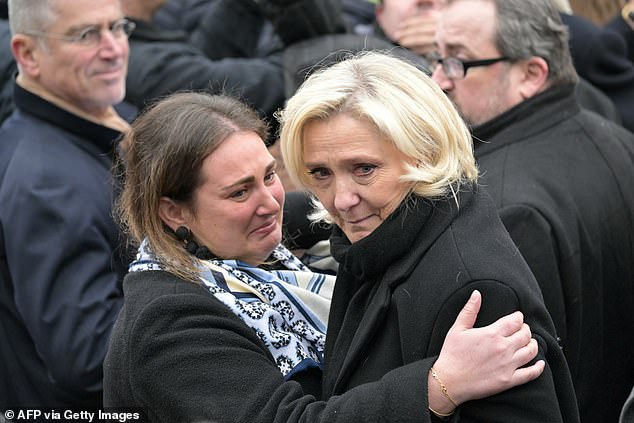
{"x":479,"y":362}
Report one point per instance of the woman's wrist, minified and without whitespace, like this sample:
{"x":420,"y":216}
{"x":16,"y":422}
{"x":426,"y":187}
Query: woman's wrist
{"x":441,"y":403}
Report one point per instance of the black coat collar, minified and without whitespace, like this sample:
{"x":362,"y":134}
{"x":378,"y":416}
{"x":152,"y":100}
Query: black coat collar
{"x":371,"y":255}
{"x":101,"y":136}
{"x":370,"y":270}
{"x":546,"y":109}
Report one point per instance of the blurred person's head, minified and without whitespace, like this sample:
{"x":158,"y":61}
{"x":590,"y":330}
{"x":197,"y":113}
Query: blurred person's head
{"x":72,"y":52}
{"x":365,"y":133}
{"x":522,"y":46}
{"x":199,"y":161}
{"x":390,"y":14}
{"x":142,"y":9}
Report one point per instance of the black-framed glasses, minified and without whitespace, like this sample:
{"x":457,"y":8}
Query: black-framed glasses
{"x":90,"y":36}
{"x":455,"y":68}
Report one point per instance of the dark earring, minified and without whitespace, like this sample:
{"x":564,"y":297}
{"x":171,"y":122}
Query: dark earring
{"x":185,"y":234}
{"x":203,"y":253}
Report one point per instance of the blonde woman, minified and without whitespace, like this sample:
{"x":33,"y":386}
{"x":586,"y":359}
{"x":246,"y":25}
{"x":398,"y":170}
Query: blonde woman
{"x":391,"y":163}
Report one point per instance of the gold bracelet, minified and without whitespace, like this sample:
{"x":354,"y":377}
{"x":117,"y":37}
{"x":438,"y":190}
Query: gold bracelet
{"x":439,"y":414}
{"x":443,"y":388}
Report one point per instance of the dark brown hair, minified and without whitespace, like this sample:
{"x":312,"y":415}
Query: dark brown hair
{"x":165,"y":150}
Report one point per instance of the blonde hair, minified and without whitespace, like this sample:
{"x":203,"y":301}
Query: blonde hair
{"x":402,"y":103}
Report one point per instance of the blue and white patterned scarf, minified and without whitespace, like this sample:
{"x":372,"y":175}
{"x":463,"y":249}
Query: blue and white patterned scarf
{"x":288,"y":309}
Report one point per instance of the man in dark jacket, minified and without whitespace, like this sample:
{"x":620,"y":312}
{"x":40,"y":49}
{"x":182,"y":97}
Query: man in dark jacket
{"x":61,"y":267}
{"x":221,"y":54}
{"x":561,"y":178}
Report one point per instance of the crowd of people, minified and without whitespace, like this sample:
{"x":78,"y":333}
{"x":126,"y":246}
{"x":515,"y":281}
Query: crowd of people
{"x":317,"y":210}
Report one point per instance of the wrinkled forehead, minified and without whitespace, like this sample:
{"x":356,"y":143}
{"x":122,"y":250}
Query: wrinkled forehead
{"x":81,"y":13}
{"x":467,"y":26}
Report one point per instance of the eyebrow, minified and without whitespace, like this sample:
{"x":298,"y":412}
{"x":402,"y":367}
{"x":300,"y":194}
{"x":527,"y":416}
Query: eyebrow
{"x":360,"y":158}
{"x":452,"y":47}
{"x":248,"y":179}
{"x":80,"y":27}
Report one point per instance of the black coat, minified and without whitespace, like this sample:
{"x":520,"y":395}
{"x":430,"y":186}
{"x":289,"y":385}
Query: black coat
{"x":400,"y":289}
{"x":562,"y":181}
{"x":180,"y":355}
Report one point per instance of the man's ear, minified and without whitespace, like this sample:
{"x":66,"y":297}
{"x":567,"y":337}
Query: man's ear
{"x":534,"y":76}
{"x":26,"y":53}
{"x":172,"y":213}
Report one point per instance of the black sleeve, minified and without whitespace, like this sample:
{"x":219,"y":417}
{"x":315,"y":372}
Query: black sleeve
{"x":157,"y":69}
{"x":296,"y":20}
{"x":229,"y":28}
{"x":549,"y":398}
{"x":535,"y":239}
{"x":191,"y":361}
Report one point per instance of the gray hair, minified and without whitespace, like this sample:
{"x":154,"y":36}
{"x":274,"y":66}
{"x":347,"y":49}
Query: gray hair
{"x":527,"y":28}
{"x":31,"y":15}
{"x":563,"y":6}
{"x":534,"y":28}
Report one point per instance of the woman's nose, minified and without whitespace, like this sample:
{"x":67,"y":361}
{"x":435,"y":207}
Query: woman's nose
{"x":345,"y":195}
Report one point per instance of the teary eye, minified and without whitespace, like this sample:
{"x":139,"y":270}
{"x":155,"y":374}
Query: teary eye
{"x":269,"y":176}
{"x":238,"y":194}
{"x":364,"y":169}
{"x":319,"y":173}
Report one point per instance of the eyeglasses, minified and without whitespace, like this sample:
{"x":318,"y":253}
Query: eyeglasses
{"x":90,"y":36}
{"x":455,"y":68}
